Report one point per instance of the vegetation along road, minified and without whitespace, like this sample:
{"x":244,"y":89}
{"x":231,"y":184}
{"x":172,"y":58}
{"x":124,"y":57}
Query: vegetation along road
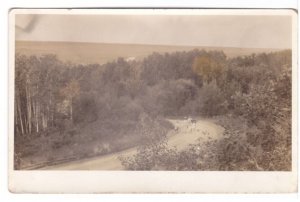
{"x":186,"y":132}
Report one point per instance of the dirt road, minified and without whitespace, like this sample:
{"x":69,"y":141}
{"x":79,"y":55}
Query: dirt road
{"x":186,"y":132}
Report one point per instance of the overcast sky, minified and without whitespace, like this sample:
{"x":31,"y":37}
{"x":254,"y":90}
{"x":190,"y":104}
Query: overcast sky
{"x":221,"y":31}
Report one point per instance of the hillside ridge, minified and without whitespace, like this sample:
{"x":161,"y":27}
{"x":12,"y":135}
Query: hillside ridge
{"x":91,"y":53}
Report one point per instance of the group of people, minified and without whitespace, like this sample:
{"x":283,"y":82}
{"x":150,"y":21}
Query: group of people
{"x":191,"y":124}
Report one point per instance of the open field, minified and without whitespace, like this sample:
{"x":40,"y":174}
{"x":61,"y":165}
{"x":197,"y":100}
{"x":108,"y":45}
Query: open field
{"x":90,"y":53}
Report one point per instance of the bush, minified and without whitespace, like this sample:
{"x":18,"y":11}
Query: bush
{"x":160,"y":156}
{"x":85,"y":109}
{"x":211,"y":100}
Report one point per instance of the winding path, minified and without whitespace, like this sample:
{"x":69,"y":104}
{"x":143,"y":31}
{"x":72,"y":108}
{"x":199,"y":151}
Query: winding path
{"x":185,"y":133}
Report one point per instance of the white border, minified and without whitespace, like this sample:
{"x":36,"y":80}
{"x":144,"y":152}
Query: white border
{"x":154,"y":11}
{"x":151,"y":181}
{"x":158,"y":3}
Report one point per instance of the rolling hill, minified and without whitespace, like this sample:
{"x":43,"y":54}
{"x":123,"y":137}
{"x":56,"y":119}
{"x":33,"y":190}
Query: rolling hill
{"x":89,"y":53}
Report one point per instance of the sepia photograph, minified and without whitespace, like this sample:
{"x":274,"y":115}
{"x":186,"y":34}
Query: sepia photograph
{"x":153,"y":90}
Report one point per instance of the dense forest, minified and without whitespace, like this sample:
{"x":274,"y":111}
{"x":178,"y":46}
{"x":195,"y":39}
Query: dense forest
{"x":66,"y":111}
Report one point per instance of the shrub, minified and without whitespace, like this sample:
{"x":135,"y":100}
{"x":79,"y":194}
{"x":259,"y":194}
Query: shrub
{"x":211,"y":100}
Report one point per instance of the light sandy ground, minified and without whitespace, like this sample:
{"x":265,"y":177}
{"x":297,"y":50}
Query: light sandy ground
{"x":185,"y":133}
{"x":191,"y":133}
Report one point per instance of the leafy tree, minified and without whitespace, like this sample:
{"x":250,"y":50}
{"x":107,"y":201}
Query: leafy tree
{"x":70,"y":91}
{"x":207,"y":68}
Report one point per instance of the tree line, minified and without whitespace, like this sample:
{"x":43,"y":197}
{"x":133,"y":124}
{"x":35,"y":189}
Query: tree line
{"x":51,"y":95}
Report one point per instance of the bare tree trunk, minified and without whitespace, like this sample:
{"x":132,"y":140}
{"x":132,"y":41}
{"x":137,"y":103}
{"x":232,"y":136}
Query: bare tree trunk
{"x":37,"y":117}
{"x":37,"y":110}
{"x":20,"y":115}
{"x":34,"y":113}
{"x":71,"y":110}
{"x":47,"y":112}
{"x":28,"y":109}
{"x":51,"y":111}
{"x":44,"y":118}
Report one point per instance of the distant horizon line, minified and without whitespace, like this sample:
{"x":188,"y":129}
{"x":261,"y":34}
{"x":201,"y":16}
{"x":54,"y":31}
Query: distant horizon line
{"x":140,"y":44}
